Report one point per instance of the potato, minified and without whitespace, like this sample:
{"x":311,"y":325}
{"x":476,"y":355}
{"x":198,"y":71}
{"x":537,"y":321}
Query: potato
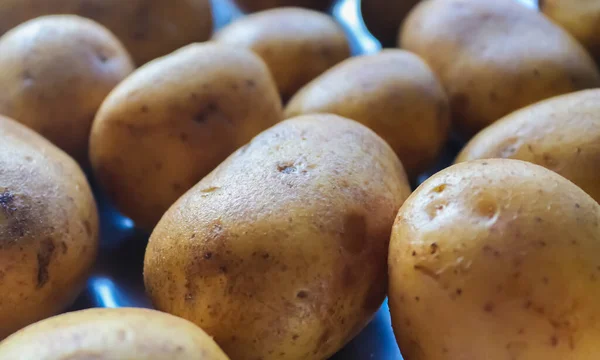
{"x":148,"y":28}
{"x":495,"y":260}
{"x":283,"y":37}
{"x":384,"y":17}
{"x":55,"y":71}
{"x":560,"y":134}
{"x":124,"y":333}
{"x":581,"y":18}
{"x":494,"y":57}
{"x":259,"y":5}
{"x":48,"y":228}
{"x":280,"y":253}
{"x":394,"y":93}
{"x":174,"y":120}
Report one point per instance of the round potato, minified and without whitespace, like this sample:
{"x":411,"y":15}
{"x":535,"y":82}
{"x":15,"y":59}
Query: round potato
{"x":280,"y":253}
{"x":48,"y":228}
{"x":174,"y":120}
{"x":55,"y":71}
{"x":283,"y":36}
{"x":494,"y":57}
{"x":259,"y":5}
{"x":384,"y":17}
{"x":496,"y":259}
{"x":394,"y":93}
{"x":148,"y":28}
{"x":579,"y":17}
{"x":124,"y":333}
{"x":561,"y":134}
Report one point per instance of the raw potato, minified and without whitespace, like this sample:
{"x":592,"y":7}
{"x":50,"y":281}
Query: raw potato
{"x":48,"y":228}
{"x":280,"y":253}
{"x":579,"y":17}
{"x":394,"y":93}
{"x":384,"y":17}
{"x":496,"y":260}
{"x":561,"y":134}
{"x":285,"y":37}
{"x":259,"y":5}
{"x":148,"y":28}
{"x":174,"y":120}
{"x":123,"y":333}
{"x":55,"y":71}
{"x":494,"y":57}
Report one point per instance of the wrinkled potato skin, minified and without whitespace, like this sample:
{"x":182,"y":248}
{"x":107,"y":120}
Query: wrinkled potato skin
{"x":283,"y":36}
{"x":507,"y":253}
{"x":259,"y":5}
{"x":174,"y":120}
{"x":581,"y":18}
{"x":122,"y":333}
{"x":561,"y":134}
{"x":48,"y":228}
{"x":384,"y":17}
{"x":394,"y":93}
{"x":280,"y":253}
{"x":55,"y":71}
{"x":494,"y":57}
{"x":148,"y":28}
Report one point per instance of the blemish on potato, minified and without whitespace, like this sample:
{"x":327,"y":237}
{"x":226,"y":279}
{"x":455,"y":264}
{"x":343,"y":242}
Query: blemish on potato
{"x":488,"y":307}
{"x":433,"y":248}
{"x":7,"y":202}
{"x":427,"y":272}
{"x":44,"y":256}
{"x":554,"y":341}
{"x":302,"y":294}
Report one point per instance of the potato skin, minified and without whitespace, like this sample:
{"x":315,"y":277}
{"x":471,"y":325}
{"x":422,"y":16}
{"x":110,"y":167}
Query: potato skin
{"x":122,"y":333}
{"x":561,"y":134}
{"x":280,"y":253}
{"x":581,"y":18}
{"x":259,"y":5}
{"x":506,"y":252}
{"x":48,"y":228}
{"x":148,"y":28}
{"x":174,"y":120}
{"x":495,"y":57}
{"x":283,"y":36}
{"x":55,"y":71}
{"x":384,"y":17}
{"x":393,"y":93}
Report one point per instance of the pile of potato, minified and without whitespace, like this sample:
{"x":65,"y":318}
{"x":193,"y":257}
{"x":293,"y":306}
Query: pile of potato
{"x":274,"y":170}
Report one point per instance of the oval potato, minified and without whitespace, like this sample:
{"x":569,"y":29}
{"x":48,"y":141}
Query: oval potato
{"x":394,"y":93}
{"x":259,"y":5}
{"x":494,"y":57}
{"x":280,"y":253}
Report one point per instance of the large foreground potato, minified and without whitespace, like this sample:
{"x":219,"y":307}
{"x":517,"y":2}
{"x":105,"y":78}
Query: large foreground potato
{"x":496,"y":260}
{"x":494,"y":57}
{"x":561,"y":134}
{"x":48,"y":228}
{"x":258,"y":5}
{"x":148,"y":28}
{"x":579,"y":17}
{"x":384,"y":17}
{"x":112,"y":334}
{"x":394,"y":93}
{"x":280,"y":253}
{"x":55,"y":71}
{"x":296,"y":44}
{"x":174,"y":120}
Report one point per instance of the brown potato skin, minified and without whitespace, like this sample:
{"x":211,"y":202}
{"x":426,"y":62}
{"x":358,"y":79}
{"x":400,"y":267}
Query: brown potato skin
{"x":581,"y":18}
{"x":174,"y":120}
{"x":280,"y":253}
{"x":55,"y":71}
{"x":393,"y":93}
{"x":148,"y":28}
{"x":507,"y":253}
{"x":259,"y":5}
{"x":283,"y":36}
{"x":384,"y":17}
{"x":122,"y":333}
{"x":48,"y":228}
{"x":495,"y":57}
{"x":561,"y":134}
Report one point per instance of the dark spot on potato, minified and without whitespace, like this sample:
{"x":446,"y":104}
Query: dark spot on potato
{"x":250,"y":83}
{"x":208,"y":255}
{"x":7,"y":200}
{"x":88,"y":227}
{"x":536,"y":73}
{"x":176,"y":187}
{"x":44,"y":256}
{"x":265,"y":256}
{"x":64,"y":247}
{"x":459,"y":291}
{"x":433,"y":248}
{"x":354,"y":233}
{"x":488,"y":307}
{"x":542,"y":244}
{"x":223,"y":269}
{"x":302,"y":294}
{"x":545,"y":280}
{"x":417,"y":299}
{"x":183,"y":137}
{"x":102,"y":57}
{"x":445,"y":350}
{"x":295,"y":337}
{"x":414,"y":253}
{"x":209,"y":110}
{"x":493,"y":96}
{"x":426,"y":271}
{"x":577,"y":206}
{"x":554,"y":341}
{"x":521,"y":331}
{"x":144,"y":109}
{"x":286,"y":168}
{"x":193,"y":236}
{"x":538,"y":219}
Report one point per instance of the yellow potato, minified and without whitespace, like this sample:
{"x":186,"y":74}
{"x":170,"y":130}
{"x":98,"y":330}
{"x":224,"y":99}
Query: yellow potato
{"x":55,"y":71}
{"x":383,"y":17}
{"x":296,"y":44}
{"x":148,"y":28}
{"x":579,"y":17}
{"x":48,"y":228}
{"x":394,"y":93}
{"x":494,"y":57}
{"x":259,"y":5}
{"x":496,"y":259}
{"x":174,"y":120}
{"x":280,"y":253}
{"x":124,"y":333}
{"x":561,"y":134}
